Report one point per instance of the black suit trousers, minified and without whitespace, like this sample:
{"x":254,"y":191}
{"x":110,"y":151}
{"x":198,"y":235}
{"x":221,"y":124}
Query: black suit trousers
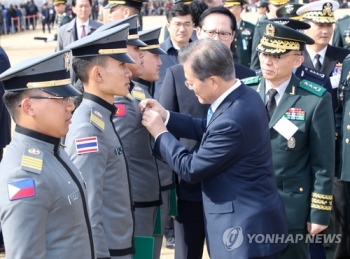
{"x":189,"y":230}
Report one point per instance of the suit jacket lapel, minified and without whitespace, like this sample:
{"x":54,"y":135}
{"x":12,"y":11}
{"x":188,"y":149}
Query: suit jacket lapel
{"x":287,"y":101}
{"x":227,"y":102}
{"x":72,"y":31}
{"x":308,"y":60}
{"x":262,"y":89}
{"x":329,"y":61}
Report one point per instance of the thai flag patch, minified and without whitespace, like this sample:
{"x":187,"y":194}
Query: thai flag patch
{"x":21,"y":189}
{"x":86,"y":145}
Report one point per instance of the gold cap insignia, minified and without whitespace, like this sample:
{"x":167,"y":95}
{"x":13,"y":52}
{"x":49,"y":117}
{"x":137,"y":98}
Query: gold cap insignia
{"x":34,"y":151}
{"x":67,"y":62}
{"x":327,"y":9}
{"x":270,"y":30}
{"x":289,"y":8}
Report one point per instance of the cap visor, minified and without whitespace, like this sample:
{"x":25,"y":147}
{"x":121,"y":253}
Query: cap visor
{"x":136,"y":42}
{"x":109,"y":6}
{"x":62,"y":90}
{"x":123,"y":58}
{"x":157,"y":51}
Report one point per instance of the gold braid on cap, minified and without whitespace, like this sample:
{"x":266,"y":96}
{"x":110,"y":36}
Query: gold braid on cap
{"x":133,"y":37}
{"x":319,"y":17}
{"x":279,"y":46}
{"x":49,"y":83}
{"x":156,"y":46}
{"x":230,"y":4}
{"x":116,"y":2}
{"x":112,"y":51}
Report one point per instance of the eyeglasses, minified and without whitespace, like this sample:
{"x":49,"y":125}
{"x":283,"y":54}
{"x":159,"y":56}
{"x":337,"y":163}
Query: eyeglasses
{"x":64,"y":99}
{"x":189,"y":86}
{"x":275,"y":58}
{"x":223,"y":35}
{"x":184,"y":24}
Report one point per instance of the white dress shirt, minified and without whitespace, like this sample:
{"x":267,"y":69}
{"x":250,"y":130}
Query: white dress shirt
{"x":312,"y":54}
{"x":80,"y":28}
{"x":280,"y":91}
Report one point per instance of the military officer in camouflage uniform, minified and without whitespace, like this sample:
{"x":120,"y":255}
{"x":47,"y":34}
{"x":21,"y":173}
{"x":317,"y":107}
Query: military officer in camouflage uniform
{"x":242,"y":43}
{"x":99,"y":60}
{"x":43,"y":210}
{"x":341,"y":34}
{"x":144,"y":175}
{"x":302,"y":134}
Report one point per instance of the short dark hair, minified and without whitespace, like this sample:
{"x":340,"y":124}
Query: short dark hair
{"x":197,"y":8}
{"x":12,"y":100}
{"x":208,"y":58}
{"x":79,"y":98}
{"x":179,"y":9}
{"x":82,"y":65}
{"x":74,"y":2}
{"x":218,"y":10}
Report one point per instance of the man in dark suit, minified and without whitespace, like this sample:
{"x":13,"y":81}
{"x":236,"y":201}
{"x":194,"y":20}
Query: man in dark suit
{"x":234,"y":154}
{"x":79,"y":27}
{"x":301,"y":125}
{"x":180,"y":27}
{"x":189,"y":224}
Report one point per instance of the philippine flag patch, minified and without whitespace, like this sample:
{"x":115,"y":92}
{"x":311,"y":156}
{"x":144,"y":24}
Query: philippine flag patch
{"x":86,"y":145}
{"x":21,"y":189}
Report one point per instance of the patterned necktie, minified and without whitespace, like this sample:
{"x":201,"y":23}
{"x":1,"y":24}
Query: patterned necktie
{"x":209,"y":114}
{"x":271,"y":104}
{"x":83,"y":33}
{"x":318,"y":64}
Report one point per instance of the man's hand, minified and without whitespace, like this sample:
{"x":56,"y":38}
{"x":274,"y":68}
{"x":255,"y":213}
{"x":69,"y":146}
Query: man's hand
{"x":152,"y":104}
{"x":314,"y":229}
{"x":153,"y":122}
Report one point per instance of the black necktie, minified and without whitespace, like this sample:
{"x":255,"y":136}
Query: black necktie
{"x":318,"y":64}
{"x":271,"y":104}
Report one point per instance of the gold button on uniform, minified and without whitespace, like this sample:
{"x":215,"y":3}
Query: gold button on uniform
{"x":301,"y":189}
{"x":347,"y":141}
{"x":348,"y":127}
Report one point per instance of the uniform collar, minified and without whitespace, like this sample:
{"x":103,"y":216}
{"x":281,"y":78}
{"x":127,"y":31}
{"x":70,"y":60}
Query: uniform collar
{"x":39,"y":136}
{"x":100,"y":101}
{"x":143,"y":82}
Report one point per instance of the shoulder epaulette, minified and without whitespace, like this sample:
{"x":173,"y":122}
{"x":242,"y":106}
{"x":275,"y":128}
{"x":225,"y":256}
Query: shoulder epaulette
{"x":32,"y":160}
{"x":251,"y":80}
{"x":312,"y":87}
{"x":96,"y":119}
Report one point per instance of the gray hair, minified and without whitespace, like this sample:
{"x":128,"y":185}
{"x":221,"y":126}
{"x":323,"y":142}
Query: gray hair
{"x":208,"y":58}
